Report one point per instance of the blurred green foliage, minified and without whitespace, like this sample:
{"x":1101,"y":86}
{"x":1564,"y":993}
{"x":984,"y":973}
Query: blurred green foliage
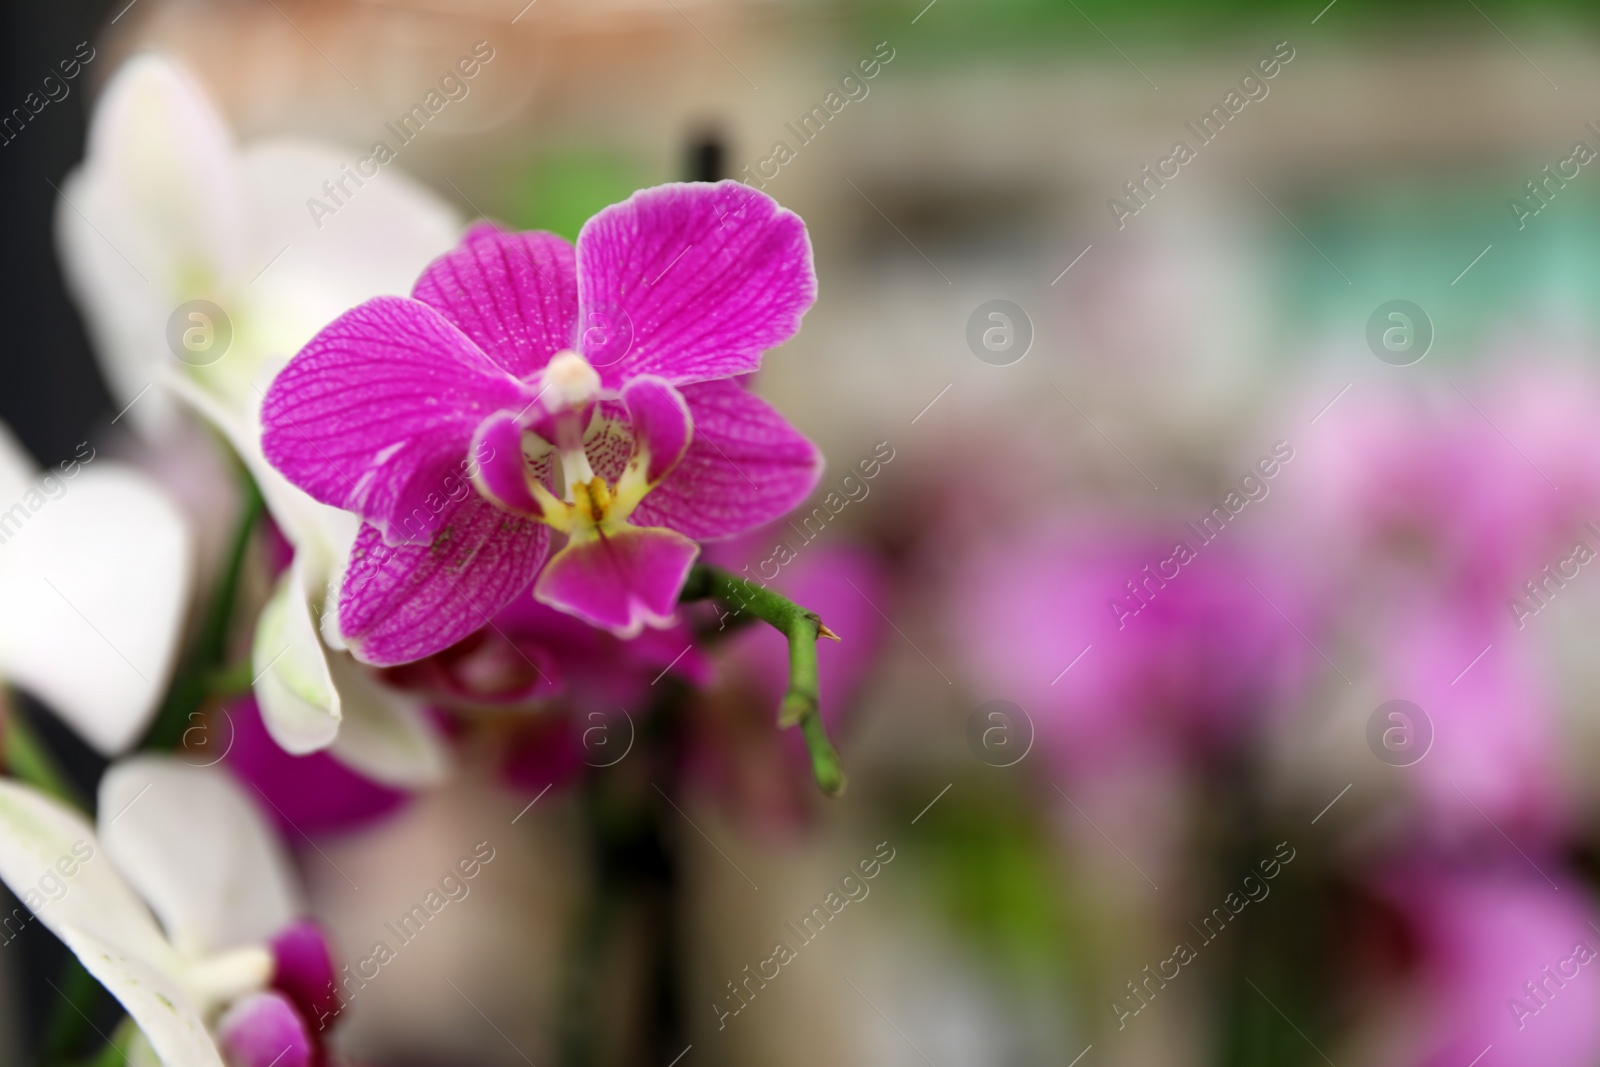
{"x":987,"y":862}
{"x":960,"y":26}
{"x":559,"y":190}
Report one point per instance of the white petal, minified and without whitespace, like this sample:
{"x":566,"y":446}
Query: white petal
{"x":198,"y":850}
{"x":139,"y":1053}
{"x":125,"y":312}
{"x":168,"y":156}
{"x":153,"y":218}
{"x":294,"y":688}
{"x":385,"y":231}
{"x":85,"y":891}
{"x":96,"y":914}
{"x":312,"y":698}
{"x":386,"y":734}
{"x":94,"y":582}
{"x":299,"y":277}
{"x":331,"y":636}
{"x":324,"y":533}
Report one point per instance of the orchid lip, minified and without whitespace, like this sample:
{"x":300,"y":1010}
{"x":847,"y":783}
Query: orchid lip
{"x":507,"y":477}
{"x":560,"y":421}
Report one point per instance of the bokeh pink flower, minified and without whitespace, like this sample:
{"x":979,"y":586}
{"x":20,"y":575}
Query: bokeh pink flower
{"x":1064,"y":621}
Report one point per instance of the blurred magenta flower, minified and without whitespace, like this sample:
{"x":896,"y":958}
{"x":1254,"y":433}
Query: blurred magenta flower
{"x":549,"y":750}
{"x":522,"y":367}
{"x":1494,"y":764}
{"x":569,"y":685}
{"x":1548,"y":407}
{"x":1453,"y":491}
{"x":534,"y":654}
{"x":1442,"y":535}
{"x":574,"y":685}
{"x":1109,"y":651}
{"x":303,"y":971}
{"x":264,"y":1030}
{"x":312,"y":793}
{"x":1507,"y":967}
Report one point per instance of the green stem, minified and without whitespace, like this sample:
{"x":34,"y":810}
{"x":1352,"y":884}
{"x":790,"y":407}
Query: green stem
{"x":71,"y":1020}
{"x":225,"y":683}
{"x":802,"y":628}
{"x":197,"y":681}
{"x":29,"y":759}
{"x":824,"y":760}
{"x":114,"y":1054}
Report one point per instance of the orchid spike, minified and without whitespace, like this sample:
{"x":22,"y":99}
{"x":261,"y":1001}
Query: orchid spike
{"x":803,"y":629}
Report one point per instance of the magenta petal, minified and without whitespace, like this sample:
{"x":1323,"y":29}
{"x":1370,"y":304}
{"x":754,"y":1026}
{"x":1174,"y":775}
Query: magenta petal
{"x":264,"y":1030}
{"x":745,"y":467}
{"x":1485,"y":936}
{"x":662,"y":425}
{"x":515,"y":294}
{"x":597,"y":669}
{"x":499,"y":471}
{"x":620,"y":581}
{"x":1496,"y":748}
{"x":401,"y":603}
{"x":303,"y":971}
{"x":311,"y":794}
{"x":376,"y":413}
{"x":547,"y":750}
{"x":691,"y":282}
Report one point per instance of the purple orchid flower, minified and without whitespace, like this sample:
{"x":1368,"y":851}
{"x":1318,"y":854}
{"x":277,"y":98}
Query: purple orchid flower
{"x":528,"y":385}
{"x":1199,"y":668}
{"x":313,"y":793}
{"x":1504,"y":966}
{"x":532,"y":654}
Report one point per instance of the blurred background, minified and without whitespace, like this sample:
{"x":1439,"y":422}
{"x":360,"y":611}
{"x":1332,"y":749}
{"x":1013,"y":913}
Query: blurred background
{"x":1220,"y":673}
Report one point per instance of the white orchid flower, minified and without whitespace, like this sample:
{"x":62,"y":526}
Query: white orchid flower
{"x":181,"y":904}
{"x":166,"y":212}
{"x":312,"y":693}
{"x":95,"y":564}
